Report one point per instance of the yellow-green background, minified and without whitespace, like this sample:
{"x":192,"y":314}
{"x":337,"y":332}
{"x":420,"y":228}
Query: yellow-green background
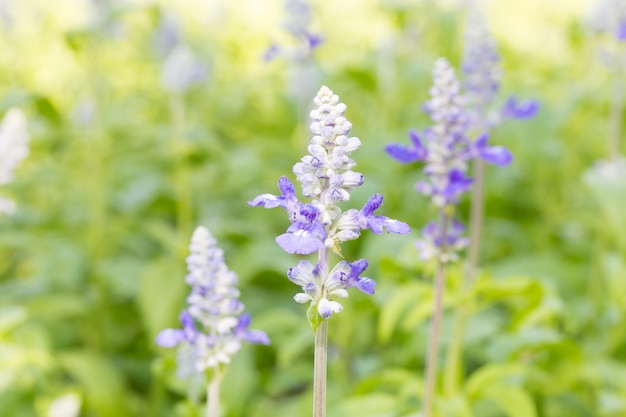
{"x":92,"y":263}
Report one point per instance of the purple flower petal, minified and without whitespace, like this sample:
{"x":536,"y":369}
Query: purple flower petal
{"x":314,"y":40}
{"x":519,"y":110}
{"x":458,"y":183}
{"x":497,"y":155}
{"x":267,"y":201}
{"x":170,"y":337}
{"x":257,"y":337}
{"x":300,"y":243}
{"x":366,"y":285}
{"x":621,"y":31}
{"x":407,"y":154}
{"x":372,"y":205}
{"x":271,"y":53}
{"x":401,"y":153}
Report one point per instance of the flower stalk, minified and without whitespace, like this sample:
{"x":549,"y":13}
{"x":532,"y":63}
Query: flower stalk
{"x":321,"y":226}
{"x":213,"y":326}
{"x":435,"y":330}
{"x":320,"y":370}
{"x":213,"y":394}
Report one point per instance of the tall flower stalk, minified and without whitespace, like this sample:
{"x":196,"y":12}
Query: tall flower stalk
{"x":445,"y":149}
{"x":481,"y":84}
{"x":180,"y":71}
{"x":13,"y":149}
{"x":321,"y":226}
{"x":213,"y":324}
{"x":299,"y":52}
{"x":609,"y":18}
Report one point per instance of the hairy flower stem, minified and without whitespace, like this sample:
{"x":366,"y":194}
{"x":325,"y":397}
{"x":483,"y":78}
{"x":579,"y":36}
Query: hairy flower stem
{"x":617,"y":109}
{"x":319,"y":375}
{"x":321,"y":341}
{"x":184,"y":203}
{"x":433,"y":343}
{"x":213,"y":394}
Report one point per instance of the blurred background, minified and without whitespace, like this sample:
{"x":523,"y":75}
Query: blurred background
{"x":150,"y":117}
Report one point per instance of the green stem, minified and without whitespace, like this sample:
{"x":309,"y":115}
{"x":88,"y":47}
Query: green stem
{"x":184,"y":202}
{"x":617,"y":110}
{"x":477,"y":210}
{"x":453,"y":357}
{"x":433,"y":341}
{"x":319,"y":373}
{"x":213,"y":394}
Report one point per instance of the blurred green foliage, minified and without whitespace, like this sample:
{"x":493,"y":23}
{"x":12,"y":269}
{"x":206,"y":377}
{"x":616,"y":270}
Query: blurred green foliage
{"x":92,"y":262}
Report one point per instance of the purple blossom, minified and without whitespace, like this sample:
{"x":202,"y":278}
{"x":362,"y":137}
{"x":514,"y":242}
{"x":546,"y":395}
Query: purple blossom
{"x":481,"y":78}
{"x":408,"y":154}
{"x":212,"y":326}
{"x":327,"y":176}
{"x":446,"y":151}
{"x":434,"y":244}
{"x":181,"y":70}
{"x":297,"y":25}
{"x":496,"y":155}
{"x":515,"y":109}
{"x":609,"y":17}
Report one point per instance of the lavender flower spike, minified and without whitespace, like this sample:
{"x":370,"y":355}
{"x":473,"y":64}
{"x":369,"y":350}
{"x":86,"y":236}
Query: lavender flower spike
{"x":13,"y":149}
{"x":320,"y":225}
{"x":213,"y":327}
{"x":481,"y":78}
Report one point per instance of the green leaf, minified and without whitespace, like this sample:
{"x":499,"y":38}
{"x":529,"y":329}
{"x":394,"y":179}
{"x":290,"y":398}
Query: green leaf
{"x":371,"y":405}
{"x":161,"y":294}
{"x":315,"y":320}
{"x":512,"y":400}
{"x":490,"y":375}
{"x":102,"y":382}
{"x":396,"y":305}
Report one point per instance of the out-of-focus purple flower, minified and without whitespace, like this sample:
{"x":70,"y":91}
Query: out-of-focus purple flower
{"x":327,"y":178}
{"x":434,"y":244}
{"x":519,"y":110}
{"x":446,"y":148}
{"x":297,"y":23}
{"x":407,"y":154}
{"x":481,"y":71}
{"x":181,"y":70}
{"x":167,"y":34}
{"x":609,"y":17}
{"x":212,"y":326}
{"x":481,"y":78}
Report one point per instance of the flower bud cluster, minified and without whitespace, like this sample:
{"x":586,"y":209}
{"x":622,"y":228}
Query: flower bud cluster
{"x":13,"y":149}
{"x":213,"y":305}
{"x":327,"y":178}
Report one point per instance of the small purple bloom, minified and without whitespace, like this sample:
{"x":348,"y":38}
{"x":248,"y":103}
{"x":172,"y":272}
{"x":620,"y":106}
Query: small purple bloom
{"x":496,"y":155}
{"x":257,"y":337}
{"x":515,"y":109}
{"x":377,"y":223}
{"x":407,"y":154}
